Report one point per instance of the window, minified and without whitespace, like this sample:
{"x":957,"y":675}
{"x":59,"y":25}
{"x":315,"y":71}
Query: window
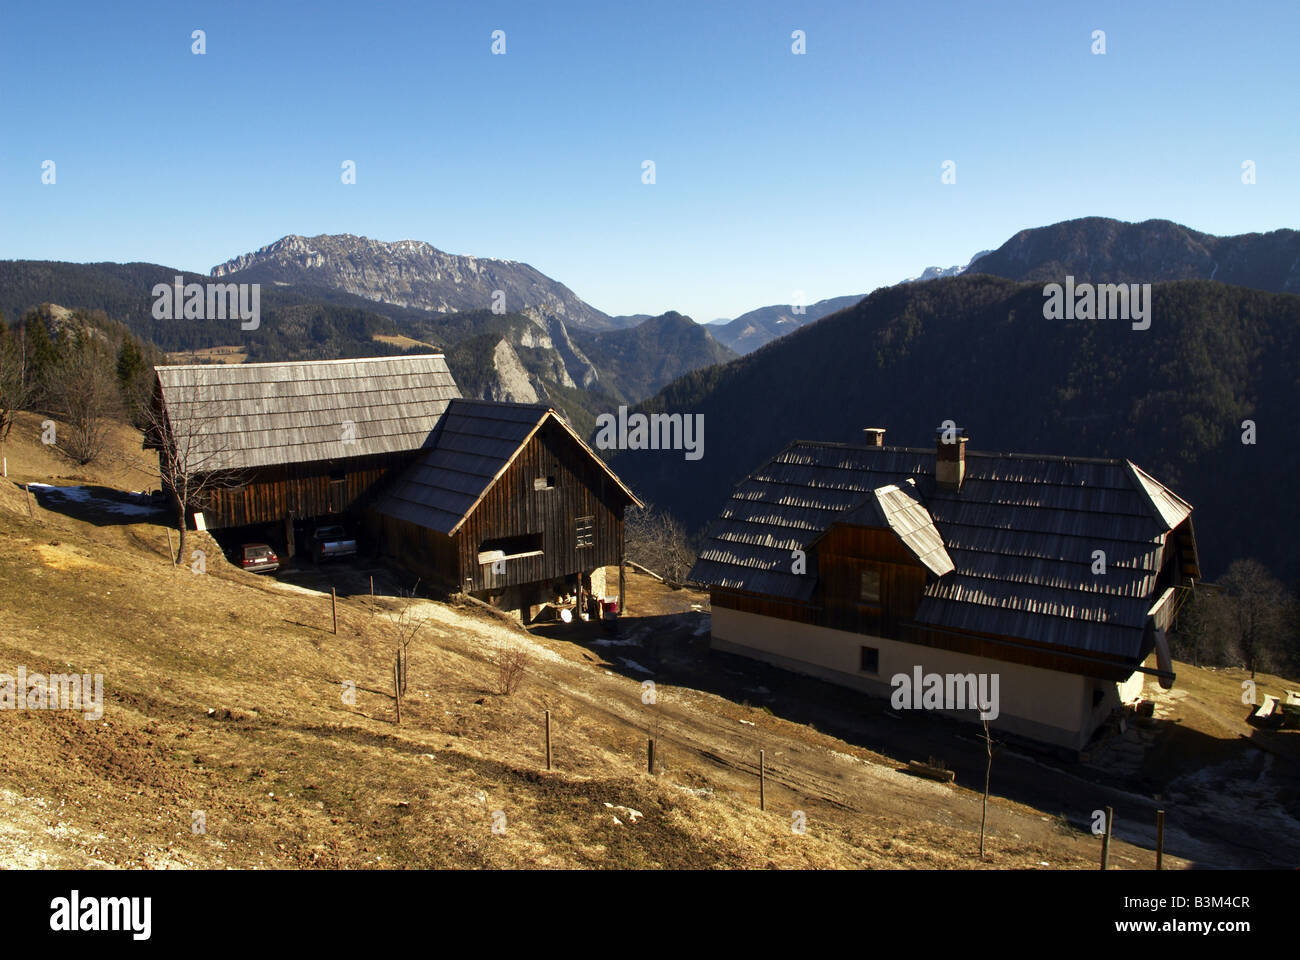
{"x":870,"y":660}
{"x":510,"y":548}
{"x":586,"y":530}
{"x":870,"y":589}
{"x":544,"y":483}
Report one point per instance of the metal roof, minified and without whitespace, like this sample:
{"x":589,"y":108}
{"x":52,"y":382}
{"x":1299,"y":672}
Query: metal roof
{"x":238,"y":416}
{"x":1018,"y":538}
{"x":473,"y":445}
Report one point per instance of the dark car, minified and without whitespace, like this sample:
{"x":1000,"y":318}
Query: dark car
{"x":257,"y":558}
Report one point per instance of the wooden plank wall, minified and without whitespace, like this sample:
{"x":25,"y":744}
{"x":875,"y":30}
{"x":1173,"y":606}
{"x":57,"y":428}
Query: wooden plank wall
{"x":513,"y":508}
{"x":842,"y":555}
{"x":303,"y":490}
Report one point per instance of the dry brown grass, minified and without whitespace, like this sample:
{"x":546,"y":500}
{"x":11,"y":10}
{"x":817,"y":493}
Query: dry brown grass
{"x":225,"y":694}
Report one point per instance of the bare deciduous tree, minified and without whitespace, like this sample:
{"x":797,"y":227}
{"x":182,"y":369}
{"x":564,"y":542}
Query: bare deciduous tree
{"x":16,"y":386}
{"x":657,"y":540}
{"x":84,"y":394}
{"x":1259,"y":605}
{"x":193,"y":454}
{"x":403,"y":628}
{"x":511,"y":665}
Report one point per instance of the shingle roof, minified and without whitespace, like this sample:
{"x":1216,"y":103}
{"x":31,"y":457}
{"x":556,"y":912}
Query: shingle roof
{"x":1020,"y":535}
{"x":247,"y":415}
{"x":475,"y":443}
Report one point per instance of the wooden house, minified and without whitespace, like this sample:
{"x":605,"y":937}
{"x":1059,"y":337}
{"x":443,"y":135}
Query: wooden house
{"x":297,"y":441}
{"x":500,"y":500}
{"x":504,"y":502}
{"x":862,"y":563}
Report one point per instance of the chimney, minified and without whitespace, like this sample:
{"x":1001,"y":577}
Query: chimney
{"x":875,"y":436}
{"x":950,"y":458}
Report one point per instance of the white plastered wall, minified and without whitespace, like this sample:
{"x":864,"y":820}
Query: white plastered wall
{"x":1045,"y":705}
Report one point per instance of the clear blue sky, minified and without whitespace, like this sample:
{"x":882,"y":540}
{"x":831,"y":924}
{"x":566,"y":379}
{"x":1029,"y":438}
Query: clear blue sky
{"x":775,"y":173}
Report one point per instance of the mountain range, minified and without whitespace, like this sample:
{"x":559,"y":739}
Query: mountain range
{"x":968,"y":344}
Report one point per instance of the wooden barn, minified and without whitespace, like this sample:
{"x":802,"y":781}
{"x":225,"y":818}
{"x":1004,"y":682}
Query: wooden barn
{"x":860,"y":564}
{"x":505,"y":502}
{"x":296,"y":441}
{"x":500,"y":500}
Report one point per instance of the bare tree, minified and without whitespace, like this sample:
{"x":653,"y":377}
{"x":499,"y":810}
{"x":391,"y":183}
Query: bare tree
{"x":403,"y":628}
{"x":16,"y":386}
{"x":193,"y":452}
{"x":1259,"y":606}
{"x":84,"y":394}
{"x":511,"y":666}
{"x":657,"y":540}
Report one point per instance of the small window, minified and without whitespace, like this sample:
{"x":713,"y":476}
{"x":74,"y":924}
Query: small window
{"x":870,"y":589}
{"x":870,"y":660}
{"x":544,"y":483}
{"x":586,"y":530}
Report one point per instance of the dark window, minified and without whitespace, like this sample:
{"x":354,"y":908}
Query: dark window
{"x":870,"y":660}
{"x":1096,"y":698}
{"x":544,"y":483}
{"x":870,"y":590}
{"x":510,"y":548}
{"x":586,"y":529}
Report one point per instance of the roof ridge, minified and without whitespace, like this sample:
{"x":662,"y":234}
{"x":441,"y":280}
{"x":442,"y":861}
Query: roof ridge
{"x":285,"y":363}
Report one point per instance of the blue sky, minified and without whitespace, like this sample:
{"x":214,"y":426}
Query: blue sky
{"x":775,"y":172}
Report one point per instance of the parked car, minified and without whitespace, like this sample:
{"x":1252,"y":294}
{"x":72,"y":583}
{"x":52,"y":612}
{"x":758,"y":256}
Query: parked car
{"x":258,"y":558}
{"x":332,"y":542}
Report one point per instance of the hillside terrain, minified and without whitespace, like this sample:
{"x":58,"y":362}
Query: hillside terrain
{"x":976,"y":349}
{"x":223,"y":698}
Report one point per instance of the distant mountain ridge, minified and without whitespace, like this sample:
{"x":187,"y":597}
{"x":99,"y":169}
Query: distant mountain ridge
{"x":412,"y":273}
{"x":640,"y":360}
{"x":976,"y":349}
{"x":759,"y":327}
{"x":1102,"y":250}
{"x":936,"y":273}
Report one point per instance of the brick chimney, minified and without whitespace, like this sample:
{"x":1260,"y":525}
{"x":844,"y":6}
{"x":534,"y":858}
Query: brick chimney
{"x":875,"y":436}
{"x":950,"y":459}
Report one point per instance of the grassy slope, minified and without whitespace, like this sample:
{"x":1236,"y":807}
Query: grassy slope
{"x":287,"y":774}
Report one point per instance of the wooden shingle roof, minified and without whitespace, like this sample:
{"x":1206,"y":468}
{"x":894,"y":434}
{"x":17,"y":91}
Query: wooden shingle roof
{"x":1020,"y":534}
{"x":473,"y":446}
{"x":241,"y":416}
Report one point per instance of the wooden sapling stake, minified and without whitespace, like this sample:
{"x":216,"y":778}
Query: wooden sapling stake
{"x":548,"y":739}
{"x":1105,"y":840}
{"x":762,"y":780}
{"x":334,"y":610}
{"x":1160,"y":839}
{"x":650,"y":755}
{"x":397,"y":689}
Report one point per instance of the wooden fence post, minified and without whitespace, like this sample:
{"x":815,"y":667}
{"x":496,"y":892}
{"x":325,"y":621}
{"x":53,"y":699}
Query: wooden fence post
{"x":1160,"y":839}
{"x":1105,"y":840}
{"x":548,"y":739}
{"x":762,"y":780}
{"x":28,"y":488}
{"x":397,"y":688}
{"x":650,"y":755}
{"x":334,"y":610}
